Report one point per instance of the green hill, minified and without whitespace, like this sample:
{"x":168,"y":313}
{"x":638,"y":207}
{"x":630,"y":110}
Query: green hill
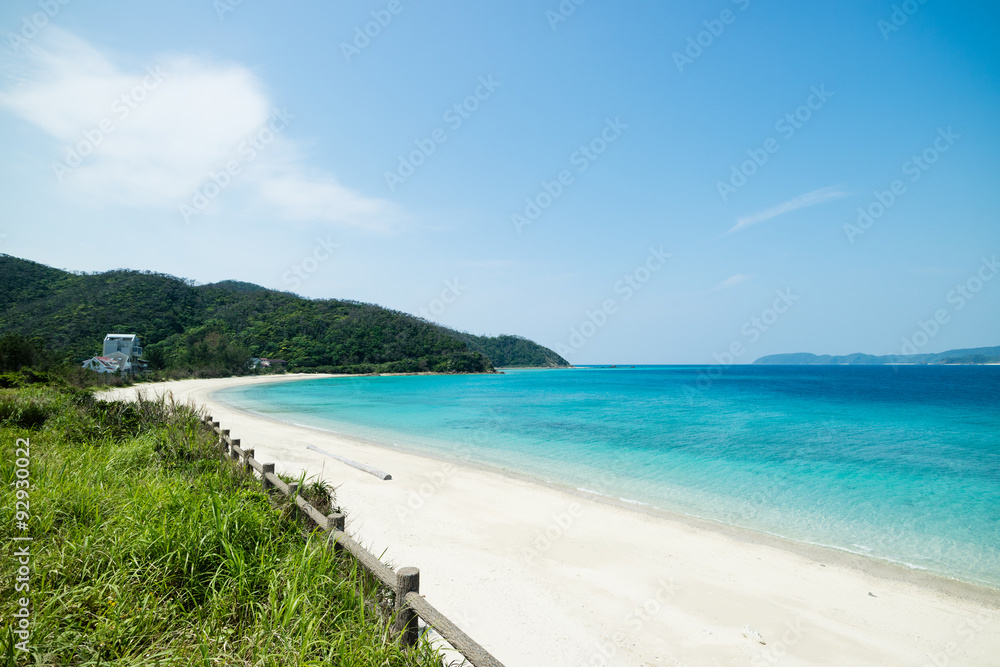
{"x":507,"y":351}
{"x":979,"y":355}
{"x":215,"y":329}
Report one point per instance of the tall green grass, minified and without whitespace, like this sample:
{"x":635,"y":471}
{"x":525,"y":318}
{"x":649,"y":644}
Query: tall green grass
{"x":150,"y":551}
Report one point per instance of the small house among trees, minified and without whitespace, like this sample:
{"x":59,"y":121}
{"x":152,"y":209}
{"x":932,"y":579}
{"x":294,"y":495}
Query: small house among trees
{"x":261,"y":362}
{"x":122,"y":352}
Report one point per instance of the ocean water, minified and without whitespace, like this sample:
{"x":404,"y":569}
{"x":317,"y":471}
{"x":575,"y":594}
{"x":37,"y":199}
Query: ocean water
{"x":896,"y":463}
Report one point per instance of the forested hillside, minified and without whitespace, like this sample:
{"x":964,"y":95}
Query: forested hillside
{"x":514,"y":352}
{"x":215,"y":329}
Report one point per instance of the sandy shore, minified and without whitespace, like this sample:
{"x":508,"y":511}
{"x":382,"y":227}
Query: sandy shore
{"x":544,"y":576}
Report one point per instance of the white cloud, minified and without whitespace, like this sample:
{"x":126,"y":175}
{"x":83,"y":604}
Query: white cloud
{"x":731,"y":281}
{"x":172,"y":124}
{"x":813,"y":198}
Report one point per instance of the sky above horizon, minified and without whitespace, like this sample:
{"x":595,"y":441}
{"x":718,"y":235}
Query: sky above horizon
{"x":643,"y":182}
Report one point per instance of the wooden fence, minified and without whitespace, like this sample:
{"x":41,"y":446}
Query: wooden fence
{"x":405,"y":582}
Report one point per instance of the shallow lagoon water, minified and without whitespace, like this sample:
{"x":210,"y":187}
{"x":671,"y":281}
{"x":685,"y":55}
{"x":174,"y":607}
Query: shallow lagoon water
{"x":897,"y":463}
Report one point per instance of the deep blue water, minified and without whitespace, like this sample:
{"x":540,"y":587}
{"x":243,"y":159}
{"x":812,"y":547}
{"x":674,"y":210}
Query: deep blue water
{"x":899,"y":463}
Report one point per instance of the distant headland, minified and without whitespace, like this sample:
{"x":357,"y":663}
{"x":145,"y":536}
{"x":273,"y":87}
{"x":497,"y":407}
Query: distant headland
{"x":976,"y":355}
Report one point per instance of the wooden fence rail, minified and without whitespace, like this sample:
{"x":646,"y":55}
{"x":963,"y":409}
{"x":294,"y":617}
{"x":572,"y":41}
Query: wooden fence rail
{"x":405,"y":583}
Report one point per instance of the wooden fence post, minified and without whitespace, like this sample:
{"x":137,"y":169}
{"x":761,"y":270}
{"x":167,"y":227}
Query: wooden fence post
{"x":247,"y":455}
{"x":293,"y":489}
{"x":334,"y":523}
{"x":222,"y":442}
{"x":232,"y":452}
{"x":264,"y":483}
{"x":407,"y":581}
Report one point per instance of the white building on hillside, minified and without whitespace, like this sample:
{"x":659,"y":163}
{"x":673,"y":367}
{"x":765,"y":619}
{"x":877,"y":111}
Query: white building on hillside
{"x":127,"y":344}
{"x":121,"y":353}
{"x":101,"y":365}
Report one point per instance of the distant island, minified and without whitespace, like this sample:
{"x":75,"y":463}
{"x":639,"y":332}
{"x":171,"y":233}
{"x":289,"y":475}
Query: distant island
{"x":223,"y":328}
{"x":977,"y":355}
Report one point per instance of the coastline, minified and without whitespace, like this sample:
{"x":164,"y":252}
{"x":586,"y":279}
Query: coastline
{"x":585,"y":579}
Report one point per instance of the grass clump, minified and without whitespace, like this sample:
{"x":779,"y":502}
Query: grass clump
{"x":148,"y":550}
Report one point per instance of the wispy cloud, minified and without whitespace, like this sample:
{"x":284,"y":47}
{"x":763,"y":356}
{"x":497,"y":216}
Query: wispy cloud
{"x":731,"y":281}
{"x":813,"y":198}
{"x":169,"y":134}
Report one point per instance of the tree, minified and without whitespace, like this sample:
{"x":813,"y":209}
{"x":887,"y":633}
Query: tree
{"x":17,"y":352}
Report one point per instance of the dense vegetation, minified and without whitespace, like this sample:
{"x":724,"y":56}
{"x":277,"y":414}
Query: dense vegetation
{"x":148,"y":550}
{"x":514,"y":351}
{"x":25,"y":362}
{"x":215,"y":329}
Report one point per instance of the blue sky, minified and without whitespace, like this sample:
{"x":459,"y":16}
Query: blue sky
{"x":624,"y":182}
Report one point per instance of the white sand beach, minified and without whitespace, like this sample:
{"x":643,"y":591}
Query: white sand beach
{"x":546,"y":576}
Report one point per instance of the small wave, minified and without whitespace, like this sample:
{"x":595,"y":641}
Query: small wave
{"x":634,"y":502}
{"x":630,"y":501}
{"x":591,"y":491}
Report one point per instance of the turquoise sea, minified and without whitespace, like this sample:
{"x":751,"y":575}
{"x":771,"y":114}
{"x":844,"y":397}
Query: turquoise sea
{"x":896,"y":463}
